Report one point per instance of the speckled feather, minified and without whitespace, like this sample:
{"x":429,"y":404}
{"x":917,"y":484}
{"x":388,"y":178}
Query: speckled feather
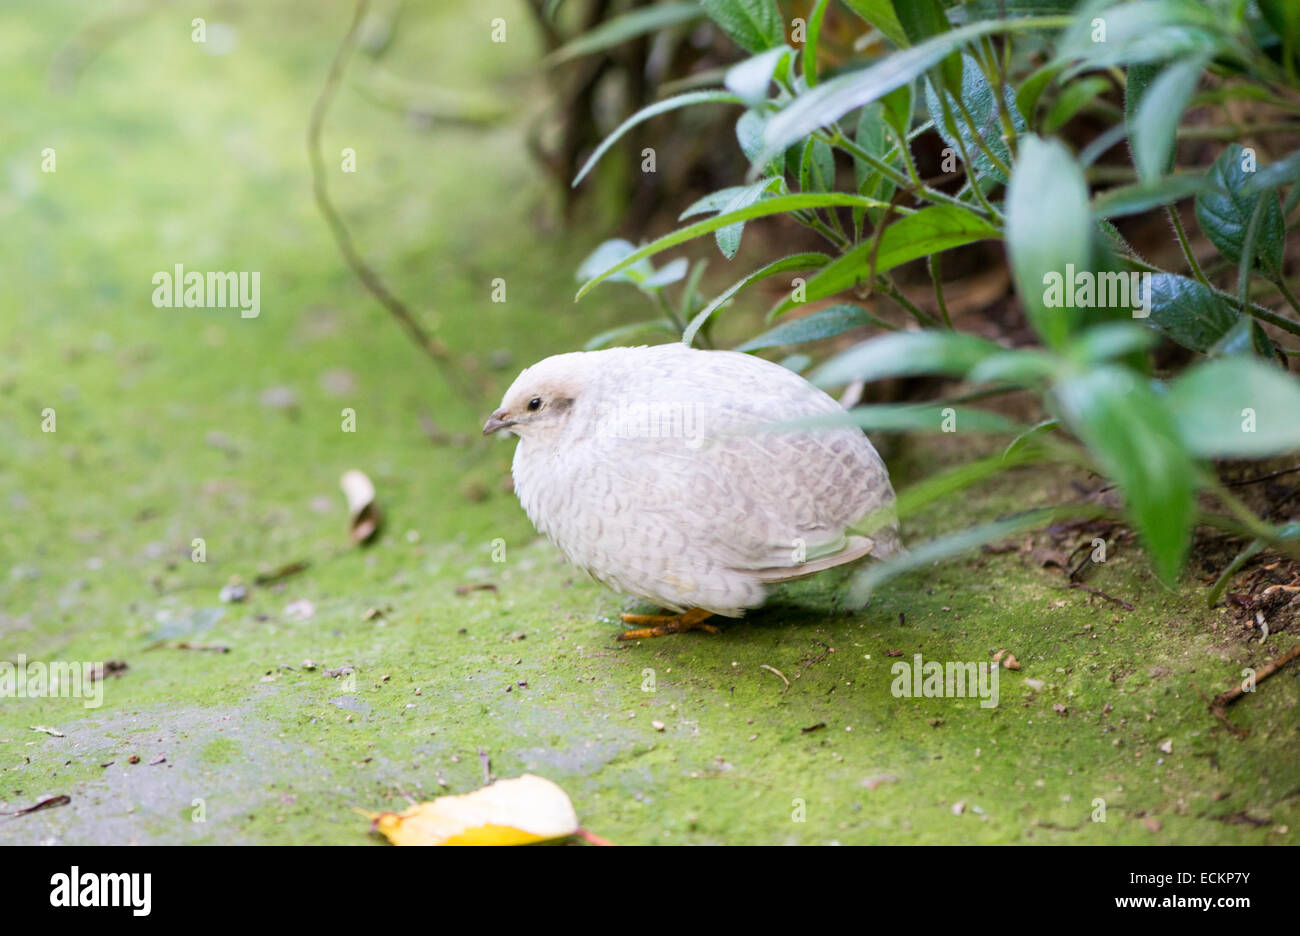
{"x":658,"y":483}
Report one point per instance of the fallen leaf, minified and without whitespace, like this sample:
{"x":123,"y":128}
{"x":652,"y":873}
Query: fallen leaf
{"x":1010,"y":662}
{"x":364,"y":517}
{"x":49,"y":731}
{"x":49,"y":803}
{"x":1168,"y":746}
{"x":284,"y":572}
{"x":520,"y":811}
{"x":811,"y":728}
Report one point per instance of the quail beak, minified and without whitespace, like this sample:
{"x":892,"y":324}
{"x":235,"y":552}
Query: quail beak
{"x":497,"y":421}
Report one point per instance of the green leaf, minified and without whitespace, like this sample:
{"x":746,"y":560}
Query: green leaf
{"x":817,"y":167}
{"x":1134,"y":438}
{"x":1143,"y":196}
{"x":1032,"y":88}
{"x":1024,"y":368}
{"x":831,"y":100}
{"x":728,"y":238}
{"x":1023,"y":442}
{"x":898,"y":110}
{"x":1224,"y":210}
{"x":1049,"y":229}
{"x":1245,"y":337}
{"x":653,"y":110}
{"x":1287,"y":531}
{"x":881,"y":15}
{"x":751,"y":78}
{"x":928,"y":231}
{"x":768,"y":206}
{"x":978,"y":96}
{"x":1236,"y":407}
{"x":901,"y":354}
{"x":1189,"y":312}
{"x":609,"y":253}
{"x":1146,"y":31}
{"x":615,"y":335}
{"x":811,"y":46}
{"x":923,"y":19}
{"x":905,"y":417}
{"x":874,"y":136}
{"x":620,"y":29}
{"x":1073,"y":98}
{"x":1111,"y":340}
{"x":942,"y":548}
{"x":1283,"y":172}
{"x":754,"y":25}
{"x":803,"y":261}
{"x":666,"y":275}
{"x":1153,"y":129}
{"x":824,"y":323}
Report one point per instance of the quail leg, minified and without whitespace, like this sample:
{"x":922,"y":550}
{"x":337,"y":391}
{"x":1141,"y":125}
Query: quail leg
{"x":662,"y":624}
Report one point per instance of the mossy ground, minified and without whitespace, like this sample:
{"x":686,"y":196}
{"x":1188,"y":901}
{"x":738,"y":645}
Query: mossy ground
{"x":168,"y":154}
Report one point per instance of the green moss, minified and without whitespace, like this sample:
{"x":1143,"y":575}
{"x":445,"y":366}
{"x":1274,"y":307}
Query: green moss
{"x":101,"y":516}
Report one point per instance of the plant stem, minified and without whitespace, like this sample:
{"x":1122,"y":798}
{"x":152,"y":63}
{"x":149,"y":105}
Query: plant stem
{"x":938,"y":289}
{"x":1186,"y":245}
{"x":893,"y":292}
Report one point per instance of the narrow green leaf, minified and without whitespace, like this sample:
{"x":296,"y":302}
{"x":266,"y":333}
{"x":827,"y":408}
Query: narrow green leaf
{"x":1144,"y":196}
{"x":615,"y":335}
{"x":928,"y":231}
{"x":1146,"y":31}
{"x":1030,"y":437}
{"x":1073,"y":98}
{"x":803,"y":261}
{"x":620,"y":29}
{"x":1032,"y":88}
{"x":813,"y":42}
{"x":832,"y":99}
{"x":768,"y":206}
{"x":824,"y":323}
{"x":901,"y":354}
{"x":943,"y":548}
{"x":1134,"y":438}
{"x":1283,"y":172}
{"x":653,"y":110}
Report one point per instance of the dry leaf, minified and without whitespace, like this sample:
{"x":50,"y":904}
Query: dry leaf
{"x":363,"y":515}
{"x":521,"y":811}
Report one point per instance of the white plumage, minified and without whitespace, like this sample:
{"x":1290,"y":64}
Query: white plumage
{"x":648,"y":468}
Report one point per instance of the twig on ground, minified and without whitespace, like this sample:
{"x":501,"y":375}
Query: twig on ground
{"x":427,"y":342}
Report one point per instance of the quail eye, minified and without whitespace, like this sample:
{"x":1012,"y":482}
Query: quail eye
{"x":535,"y":403}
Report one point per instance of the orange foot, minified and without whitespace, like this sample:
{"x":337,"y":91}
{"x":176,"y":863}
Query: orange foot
{"x":662,"y":624}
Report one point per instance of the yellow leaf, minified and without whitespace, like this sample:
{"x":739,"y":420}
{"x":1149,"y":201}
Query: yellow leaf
{"x":521,"y":811}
